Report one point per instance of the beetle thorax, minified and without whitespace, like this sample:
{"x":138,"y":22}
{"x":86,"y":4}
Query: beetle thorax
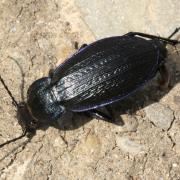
{"x":41,"y":102}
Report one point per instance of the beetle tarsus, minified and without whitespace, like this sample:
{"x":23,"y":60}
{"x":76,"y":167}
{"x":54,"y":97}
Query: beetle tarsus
{"x":51,"y":71}
{"x":115,"y":121}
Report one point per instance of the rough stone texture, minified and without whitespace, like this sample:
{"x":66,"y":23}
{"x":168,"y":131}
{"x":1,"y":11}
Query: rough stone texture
{"x":160,"y":115}
{"x":129,"y":146}
{"x":40,"y":34}
{"x":118,"y":16}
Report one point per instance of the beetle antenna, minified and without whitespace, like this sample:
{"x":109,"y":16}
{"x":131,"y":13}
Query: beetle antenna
{"x":23,"y":145}
{"x":22,"y":74}
{"x":14,"y":102}
{"x":13,"y":140}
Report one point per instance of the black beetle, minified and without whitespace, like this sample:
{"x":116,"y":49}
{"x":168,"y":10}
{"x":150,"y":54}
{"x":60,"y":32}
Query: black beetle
{"x":99,"y":74}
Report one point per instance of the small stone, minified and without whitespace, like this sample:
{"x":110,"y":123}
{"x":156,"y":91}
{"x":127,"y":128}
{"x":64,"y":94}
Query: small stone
{"x":91,"y":145}
{"x":92,"y":142}
{"x":175,"y":165}
{"x":129,"y":146}
{"x":131,"y":123}
{"x":160,"y":115}
{"x":13,"y":29}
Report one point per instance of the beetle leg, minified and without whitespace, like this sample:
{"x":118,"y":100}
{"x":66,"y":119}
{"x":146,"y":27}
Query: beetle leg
{"x":167,"y":40}
{"x":175,"y":31}
{"x":165,"y":77}
{"x":109,"y":110}
{"x":82,"y":46}
{"x":97,"y":114}
{"x":76,"y":46}
{"x":100,"y":115}
{"x":51,"y":71}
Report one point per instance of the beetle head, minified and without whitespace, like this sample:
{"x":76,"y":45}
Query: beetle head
{"x":23,"y":116}
{"x":40,"y":108}
{"x":41,"y":103}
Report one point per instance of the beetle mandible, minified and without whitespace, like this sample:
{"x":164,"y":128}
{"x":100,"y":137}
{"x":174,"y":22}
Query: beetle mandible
{"x":98,"y":74}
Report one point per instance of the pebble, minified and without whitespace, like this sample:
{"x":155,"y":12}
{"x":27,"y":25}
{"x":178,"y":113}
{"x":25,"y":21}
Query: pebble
{"x":91,"y":146}
{"x":131,"y":123}
{"x":160,"y":115}
{"x":129,"y":146}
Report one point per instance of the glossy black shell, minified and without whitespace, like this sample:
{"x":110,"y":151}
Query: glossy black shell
{"x":106,"y":71}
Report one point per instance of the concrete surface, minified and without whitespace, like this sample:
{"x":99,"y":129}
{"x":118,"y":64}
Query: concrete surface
{"x":34,"y":37}
{"x":115,"y":17}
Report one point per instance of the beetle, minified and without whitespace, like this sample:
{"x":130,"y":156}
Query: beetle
{"x":98,"y":74}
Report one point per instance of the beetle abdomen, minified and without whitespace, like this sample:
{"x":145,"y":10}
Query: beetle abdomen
{"x":106,"y":71}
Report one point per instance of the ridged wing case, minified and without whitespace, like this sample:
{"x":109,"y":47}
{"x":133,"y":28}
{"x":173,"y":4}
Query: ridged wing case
{"x":104,"y":72}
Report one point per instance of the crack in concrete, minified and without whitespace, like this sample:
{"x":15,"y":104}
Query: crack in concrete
{"x":168,"y":134}
{"x":74,"y":145}
{"x":20,"y":12}
{"x":170,"y":169}
{"x":65,"y":150}
{"x":63,"y":137}
{"x":145,"y":162}
{"x":104,"y":156}
{"x":171,"y":139}
{"x":51,"y":171}
{"x":152,"y":123}
{"x":130,"y":175}
{"x":172,"y":122}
